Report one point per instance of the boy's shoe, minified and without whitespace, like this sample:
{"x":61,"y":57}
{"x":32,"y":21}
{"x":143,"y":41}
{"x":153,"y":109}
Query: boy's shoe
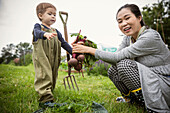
{"x":123,"y":99}
{"x":47,"y":104}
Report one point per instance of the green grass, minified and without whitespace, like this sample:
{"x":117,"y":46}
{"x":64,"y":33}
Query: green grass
{"x":17,"y":94}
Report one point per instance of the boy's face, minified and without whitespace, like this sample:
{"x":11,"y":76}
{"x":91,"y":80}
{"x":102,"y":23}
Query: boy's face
{"x":49,"y":17}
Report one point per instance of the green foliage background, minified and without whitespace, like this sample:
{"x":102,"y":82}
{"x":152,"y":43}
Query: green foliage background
{"x":157,"y":16}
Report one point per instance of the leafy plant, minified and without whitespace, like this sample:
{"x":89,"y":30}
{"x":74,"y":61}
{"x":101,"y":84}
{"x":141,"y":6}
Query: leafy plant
{"x":63,"y":65}
{"x":89,"y":59}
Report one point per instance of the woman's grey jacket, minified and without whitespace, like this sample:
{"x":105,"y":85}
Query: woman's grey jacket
{"x":153,"y":60}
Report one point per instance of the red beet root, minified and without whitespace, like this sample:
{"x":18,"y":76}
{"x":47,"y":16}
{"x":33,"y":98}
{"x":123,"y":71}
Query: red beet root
{"x":73,"y":62}
{"x":78,"y":67}
{"x":81,"y":58}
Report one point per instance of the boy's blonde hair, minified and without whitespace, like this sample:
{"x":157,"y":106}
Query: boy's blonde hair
{"x":41,"y":8}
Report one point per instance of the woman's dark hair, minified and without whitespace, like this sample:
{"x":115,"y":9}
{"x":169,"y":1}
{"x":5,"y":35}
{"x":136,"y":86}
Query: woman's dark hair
{"x":134,"y":9}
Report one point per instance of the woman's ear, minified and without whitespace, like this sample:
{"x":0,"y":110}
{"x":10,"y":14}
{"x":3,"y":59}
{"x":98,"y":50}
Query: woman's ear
{"x":140,"y":18}
{"x":40,"y":16}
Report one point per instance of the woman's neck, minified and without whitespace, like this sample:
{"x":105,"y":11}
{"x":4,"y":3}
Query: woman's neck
{"x":136,"y":35}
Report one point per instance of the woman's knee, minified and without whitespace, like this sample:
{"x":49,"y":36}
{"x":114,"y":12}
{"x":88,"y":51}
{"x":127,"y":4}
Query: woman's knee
{"x":111,"y":71}
{"x":126,"y":64}
{"x":126,"y":68}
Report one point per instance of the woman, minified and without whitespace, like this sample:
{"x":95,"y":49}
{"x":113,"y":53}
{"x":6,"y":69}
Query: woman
{"x":141,"y":66}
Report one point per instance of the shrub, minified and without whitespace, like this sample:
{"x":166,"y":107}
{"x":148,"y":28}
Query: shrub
{"x":16,"y":61}
{"x":27,"y":61}
{"x":99,"y":68}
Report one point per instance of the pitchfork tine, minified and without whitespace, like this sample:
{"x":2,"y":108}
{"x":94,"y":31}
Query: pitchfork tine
{"x":75,"y":83}
{"x":68,"y":83}
{"x":72,"y":82}
{"x":64,"y":83}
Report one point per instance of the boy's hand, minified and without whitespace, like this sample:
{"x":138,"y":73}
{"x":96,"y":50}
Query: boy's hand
{"x":49,"y":35}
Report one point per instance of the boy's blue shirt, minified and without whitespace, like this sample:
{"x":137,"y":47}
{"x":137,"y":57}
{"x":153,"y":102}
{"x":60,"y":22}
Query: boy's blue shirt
{"x":39,"y":34}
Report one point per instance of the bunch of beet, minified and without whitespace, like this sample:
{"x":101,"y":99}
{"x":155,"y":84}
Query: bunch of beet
{"x":76,"y":61}
{"x":77,"y":58}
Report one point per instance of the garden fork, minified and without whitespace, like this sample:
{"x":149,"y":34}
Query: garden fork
{"x":72,"y":80}
{"x":68,"y":56}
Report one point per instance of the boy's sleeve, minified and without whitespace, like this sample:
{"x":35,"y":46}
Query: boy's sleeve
{"x":64,"y":44}
{"x":38,"y":34}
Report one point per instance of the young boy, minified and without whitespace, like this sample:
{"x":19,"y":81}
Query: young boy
{"x":47,"y":43}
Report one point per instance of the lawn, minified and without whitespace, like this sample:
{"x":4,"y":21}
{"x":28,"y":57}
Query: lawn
{"x":17,"y":94}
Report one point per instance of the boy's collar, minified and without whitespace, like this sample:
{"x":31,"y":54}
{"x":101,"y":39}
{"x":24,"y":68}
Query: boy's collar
{"x":45,"y":26}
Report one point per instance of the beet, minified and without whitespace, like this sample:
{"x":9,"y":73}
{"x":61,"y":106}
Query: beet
{"x":81,"y":58}
{"x":73,"y":62}
{"x":78,"y":67}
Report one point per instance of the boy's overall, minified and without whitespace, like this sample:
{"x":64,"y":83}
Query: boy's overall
{"x":46,"y":59}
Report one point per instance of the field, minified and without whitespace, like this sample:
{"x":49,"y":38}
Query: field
{"x":17,"y":94}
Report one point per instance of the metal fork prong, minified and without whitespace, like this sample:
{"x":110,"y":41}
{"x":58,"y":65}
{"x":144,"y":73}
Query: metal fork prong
{"x":68,"y":83}
{"x":75,"y":82}
{"x":64,"y":82}
{"x":72,"y":82}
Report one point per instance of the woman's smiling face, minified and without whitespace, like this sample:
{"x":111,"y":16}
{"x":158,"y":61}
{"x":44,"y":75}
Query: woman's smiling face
{"x":128,"y":23}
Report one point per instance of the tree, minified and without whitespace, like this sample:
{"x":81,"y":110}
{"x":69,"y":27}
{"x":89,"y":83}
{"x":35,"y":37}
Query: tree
{"x":158,"y":17}
{"x":22,"y":49}
{"x":7,"y":53}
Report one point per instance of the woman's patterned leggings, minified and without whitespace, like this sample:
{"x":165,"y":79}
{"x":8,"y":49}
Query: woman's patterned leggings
{"x":125,"y":76}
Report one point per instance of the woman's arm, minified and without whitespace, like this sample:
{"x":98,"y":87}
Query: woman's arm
{"x":144,"y":46}
{"x":77,"y":48}
{"x":103,"y":55}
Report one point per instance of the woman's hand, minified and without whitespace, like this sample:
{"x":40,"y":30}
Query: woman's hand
{"x":78,"y":48}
